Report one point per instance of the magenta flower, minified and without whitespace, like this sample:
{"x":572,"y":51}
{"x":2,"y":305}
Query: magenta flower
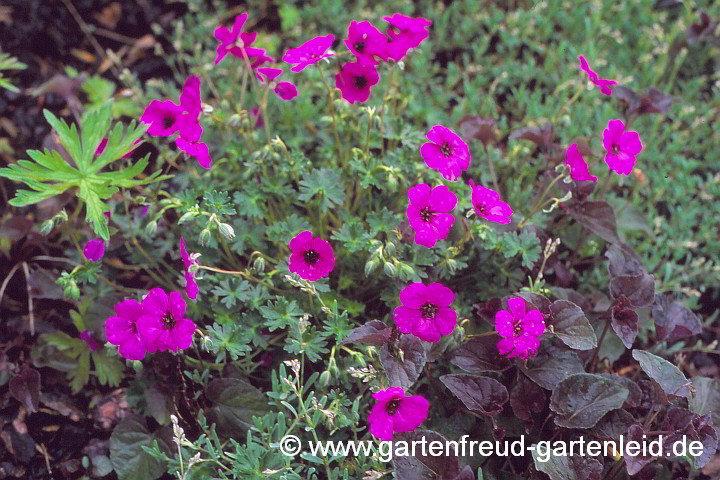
{"x":309,"y":52}
{"x":163,"y":117}
{"x":488,"y":205}
{"x":191,"y":288}
{"x":284,"y":90}
{"x":235,"y":41}
{"x":520,"y":330}
{"x":405,"y":33}
{"x":446,"y":152}
{"x":365,"y":41}
{"x":195,"y":149}
{"x":604,"y":85}
{"x":101,"y":146}
{"x":621,"y":147}
{"x":394,"y":412}
{"x":427,"y":213}
{"x":121,"y":330}
{"x":311,"y":258}
{"x":355,"y":81}
{"x":87,"y":337}
{"x":94,"y":249}
{"x":579,"y":170}
{"x":261,"y":59}
{"x":163,"y":325}
{"x":425,"y":311}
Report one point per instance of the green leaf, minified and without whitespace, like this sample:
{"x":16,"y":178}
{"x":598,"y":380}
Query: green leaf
{"x":327,"y":186}
{"x":281,"y":314}
{"x":80,"y":375}
{"x":109,"y":370}
{"x":129,"y":459}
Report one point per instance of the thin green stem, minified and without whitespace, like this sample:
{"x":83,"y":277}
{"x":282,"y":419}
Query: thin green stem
{"x":539,"y":205}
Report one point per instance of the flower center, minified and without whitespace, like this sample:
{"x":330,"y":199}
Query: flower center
{"x":446,"y":149}
{"x":359,"y":47}
{"x":311,"y":257}
{"x":392,"y":406}
{"x":518,"y":329}
{"x":168,"y":122}
{"x":426,"y":214}
{"x":614,"y":149}
{"x":428,"y":310}
{"x":360,"y":82}
{"x":480,"y":208}
{"x":169,"y":320}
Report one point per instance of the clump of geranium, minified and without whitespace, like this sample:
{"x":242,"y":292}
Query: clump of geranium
{"x":155,"y":324}
{"x":167,"y":118}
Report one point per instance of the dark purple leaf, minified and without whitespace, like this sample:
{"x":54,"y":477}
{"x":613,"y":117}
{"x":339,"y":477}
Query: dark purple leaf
{"x":635,"y":463}
{"x":652,"y":394}
{"x":635,"y":394}
{"x":673,"y":320}
{"x":568,"y":294}
{"x":373,"y":332}
{"x":667,"y":375}
{"x":623,"y":261}
{"x":624,"y":323}
{"x":42,"y":285}
{"x":550,"y":366}
{"x":639,"y":289}
{"x":478,"y":355}
{"x":542,"y":137}
{"x":704,"y":29}
{"x":446,"y":467}
{"x":234,"y":402}
{"x":526,"y":399}
{"x":613,"y":425}
{"x":581,"y":400}
{"x":15,"y":228}
{"x":466,"y":474}
{"x":478,"y":128}
{"x":707,"y":398}
{"x":654,"y":101}
{"x":128,"y":458}
{"x":405,"y":363}
{"x":487,"y":310}
{"x":566,"y":467}
{"x":571,"y":326}
{"x":596,"y":216}
{"x":689,"y":427}
{"x":665,"y":5}
{"x":480,"y":394}
{"x":410,"y":468}
{"x":25,"y":388}
{"x":536,"y":301}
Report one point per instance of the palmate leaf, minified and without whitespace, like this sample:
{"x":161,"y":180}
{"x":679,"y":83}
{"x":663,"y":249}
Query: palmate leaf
{"x":48,"y":174}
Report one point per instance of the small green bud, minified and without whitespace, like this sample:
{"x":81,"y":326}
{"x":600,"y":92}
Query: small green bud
{"x":72,"y":290}
{"x":226,"y":230}
{"x":370,"y":266}
{"x":390,"y":249}
{"x":151,"y":228}
{"x":390,"y":270}
{"x":205,"y":237}
{"x":46,"y":227}
{"x":325,"y":378}
{"x":259,"y":264}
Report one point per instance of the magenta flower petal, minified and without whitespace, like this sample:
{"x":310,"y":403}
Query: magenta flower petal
{"x":268,"y":73}
{"x":191,"y":288}
{"x":446,"y":152}
{"x":195,"y":149}
{"x":603,"y":84}
{"x":94,"y":249}
{"x":488,"y":205}
{"x":309,"y":52}
{"x":190,"y":97}
{"x":621,"y":147}
{"x":405,"y":33}
{"x":426,"y":311}
{"x":311,"y":258}
{"x":579,"y":170}
{"x":394,"y":412}
{"x":162,"y":117}
{"x":286,"y":90}
{"x":365,"y":41}
{"x":121,"y":330}
{"x":355,"y":81}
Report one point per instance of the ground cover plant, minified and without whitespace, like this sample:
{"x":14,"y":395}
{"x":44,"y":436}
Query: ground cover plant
{"x":367,"y":222}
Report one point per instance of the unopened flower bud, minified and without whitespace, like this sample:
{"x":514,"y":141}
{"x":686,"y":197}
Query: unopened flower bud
{"x":390,"y":270}
{"x":46,"y":227}
{"x":259,"y":264}
{"x":151,"y":228}
{"x":226,"y":231}
{"x":205,"y":237}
